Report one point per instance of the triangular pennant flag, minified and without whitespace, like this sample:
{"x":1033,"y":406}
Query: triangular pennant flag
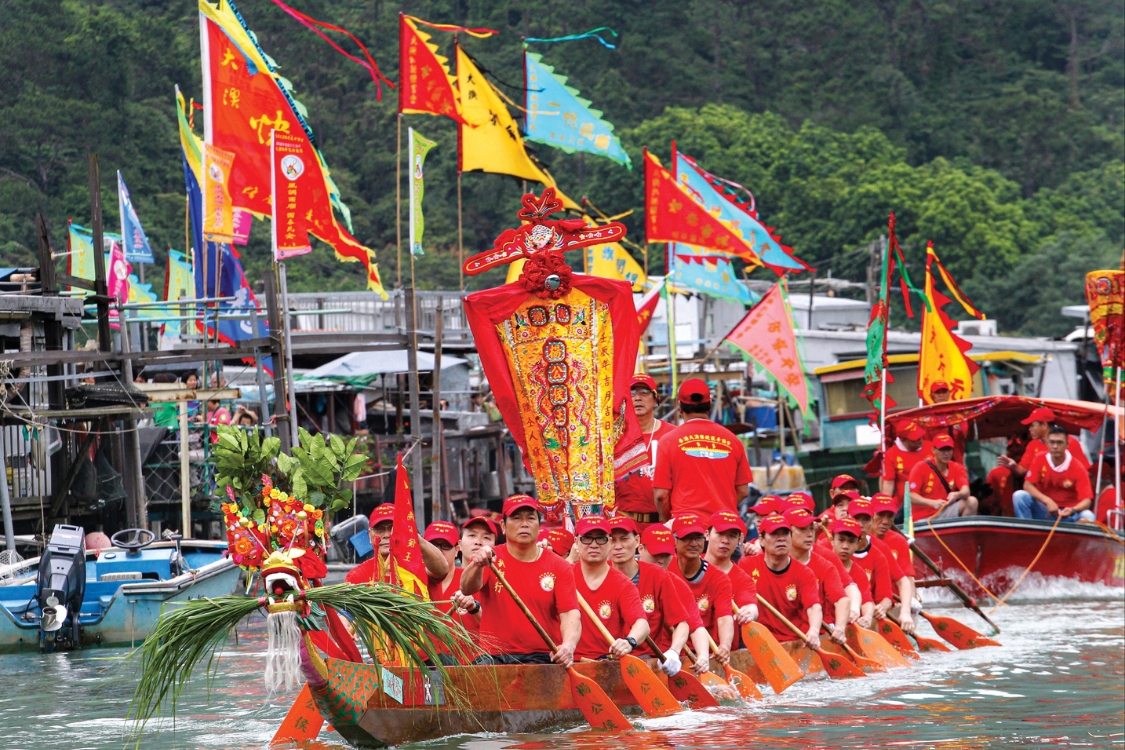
{"x":134,"y":241}
{"x":712,"y":275}
{"x":406,"y":556}
{"x":613,"y":261}
{"x":425,"y":84}
{"x":766,"y":336}
{"x":942,"y":354}
{"x":647,"y":304}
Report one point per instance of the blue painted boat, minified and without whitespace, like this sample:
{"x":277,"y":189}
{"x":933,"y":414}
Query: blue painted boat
{"x":71,"y":598}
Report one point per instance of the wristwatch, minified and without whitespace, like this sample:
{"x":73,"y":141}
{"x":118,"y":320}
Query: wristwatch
{"x":631,"y":641}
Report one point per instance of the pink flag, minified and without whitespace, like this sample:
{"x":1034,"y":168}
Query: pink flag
{"x":766,"y":335}
{"x":117,"y":279}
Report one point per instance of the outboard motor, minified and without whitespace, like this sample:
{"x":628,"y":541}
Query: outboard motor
{"x":61,"y":585}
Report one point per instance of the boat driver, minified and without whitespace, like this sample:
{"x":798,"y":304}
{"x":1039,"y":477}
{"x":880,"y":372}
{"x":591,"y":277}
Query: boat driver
{"x":1056,"y":484}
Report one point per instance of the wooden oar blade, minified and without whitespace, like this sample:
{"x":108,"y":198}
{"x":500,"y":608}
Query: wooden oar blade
{"x":838,"y":667}
{"x":653,"y":697}
{"x":600,"y":712}
{"x":957,"y":633}
{"x":895,"y":636}
{"x":720,"y":688}
{"x":776,"y":664}
{"x":741,"y":682}
{"x":873,"y":646}
{"x":687,"y":688}
{"x":302,"y":723}
{"x":929,"y":644}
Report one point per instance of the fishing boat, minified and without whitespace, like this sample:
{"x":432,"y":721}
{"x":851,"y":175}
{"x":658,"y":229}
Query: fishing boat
{"x":71,"y":597}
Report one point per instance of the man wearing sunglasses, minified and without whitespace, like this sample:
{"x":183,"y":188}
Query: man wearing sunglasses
{"x":612,"y":597}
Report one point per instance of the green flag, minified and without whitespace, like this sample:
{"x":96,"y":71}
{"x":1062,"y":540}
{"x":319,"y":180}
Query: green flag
{"x":419,"y":147}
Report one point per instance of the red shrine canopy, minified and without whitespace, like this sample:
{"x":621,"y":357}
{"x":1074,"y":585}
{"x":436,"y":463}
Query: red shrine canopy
{"x":1000,"y":416}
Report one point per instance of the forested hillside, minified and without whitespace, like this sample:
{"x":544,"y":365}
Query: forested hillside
{"x":996,"y":128}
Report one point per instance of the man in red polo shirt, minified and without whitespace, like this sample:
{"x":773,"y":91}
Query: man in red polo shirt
{"x":786,"y":584}
{"x":884,"y":528}
{"x":845,"y":538}
{"x":375,"y":569}
{"x":725,"y":532}
{"x":875,"y":557}
{"x":635,"y":498}
{"x":443,"y":535}
{"x":701,"y":466}
{"x":1056,"y":484}
{"x":1039,"y":422}
{"x":710,"y":587}
{"x":940,"y":394}
{"x":612,"y":597}
{"x":543,"y":580}
{"x":908,"y":449}
{"x":940,"y":487}
{"x":835,"y":604}
{"x":657,"y":548}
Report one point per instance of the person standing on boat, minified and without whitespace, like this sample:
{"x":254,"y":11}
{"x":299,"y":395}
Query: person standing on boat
{"x":1039,"y":423}
{"x":845,"y":538}
{"x":1056,"y":484}
{"x":835,"y":602}
{"x":725,"y":532}
{"x":880,"y":564}
{"x":612,"y":597}
{"x":908,"y":450}
{"x":940,"y":487}
{"x":634,"y":493}
{"x":375,"y":569}
{"x":658,"y":548}
{"x":543,"y":580}
{"x":785,"y":583}
{"x":940,"y":394}
{"x":710,"y":587}
{"x":701,"y":467}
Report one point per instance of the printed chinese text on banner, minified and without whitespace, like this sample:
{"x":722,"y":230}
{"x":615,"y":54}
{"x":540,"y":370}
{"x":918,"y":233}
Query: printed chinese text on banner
{"x":766,"y":336}
{"x":137,"y":249}
{"x":613,"y":261}
{"x":425,"y":85}
{"x":244,"y":100}
{"x":708,"y":273}
{"x":293,"y":183}
{"x":419,"y":146}
{"x":406,"y":558}
{"x":942,"y":354}
{"x":557,"y":116}
{"x":1105,"y":293}
{"x":218,"y":210}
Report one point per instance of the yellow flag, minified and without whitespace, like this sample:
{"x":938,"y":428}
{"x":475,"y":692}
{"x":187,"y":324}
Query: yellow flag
{"x":218,"y":211}
{"x":942,"y":354}
{"x":613,"y":261}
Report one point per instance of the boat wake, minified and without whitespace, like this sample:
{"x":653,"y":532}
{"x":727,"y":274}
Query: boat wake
{"x":1036,"y":587}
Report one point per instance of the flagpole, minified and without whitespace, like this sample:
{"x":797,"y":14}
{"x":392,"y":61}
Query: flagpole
{"x":670,"y":304}
{"x":398,"y":202}
{"x":460,"y":236}
{"x":1117,"y":452}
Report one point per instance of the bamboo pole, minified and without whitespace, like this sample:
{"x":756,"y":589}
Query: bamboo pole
{"x":398,"y":202}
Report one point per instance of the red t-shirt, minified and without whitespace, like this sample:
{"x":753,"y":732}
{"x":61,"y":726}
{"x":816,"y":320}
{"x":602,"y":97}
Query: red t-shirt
{"x":859,"y":577}
{"x":791,"y":591}
{"x":711,"y":593}
{"x":438,"y":594}
{"x":662,"y":605}
{"x":546,"y":587}
{"x":616,"y":603}
{"x":897,"y":463}
{"x":899,"y":551}
{"x":878,"y":572}
{"x":1066,"y":488}
{"x":701,"y":463}
{"x":1003,"y":485}
{"x":744,"y":592}
{"x":634,"y":492}
{"x":1038,"y":448}
{"x":365,"y":572}
{"x":896,"y":570}
{"x":924,"y":482}
{"x":687,"y":600}
{"x":829,"y":554}
{"x":828,"y":585}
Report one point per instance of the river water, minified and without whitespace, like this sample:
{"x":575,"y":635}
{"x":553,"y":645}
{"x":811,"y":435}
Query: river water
{"x":1058,"y":680}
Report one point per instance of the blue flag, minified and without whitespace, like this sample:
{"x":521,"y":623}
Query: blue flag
{"x":557,"y":116}
{"x":707,"y":273}
{"x":137,"y":249}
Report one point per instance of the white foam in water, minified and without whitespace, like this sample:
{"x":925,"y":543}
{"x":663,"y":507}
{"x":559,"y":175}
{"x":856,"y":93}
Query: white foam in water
{"x":1035,"y":587}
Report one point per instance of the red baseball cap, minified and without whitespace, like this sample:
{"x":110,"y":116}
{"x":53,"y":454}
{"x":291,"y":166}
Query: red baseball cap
{"x":847,"y":526}
{"x":911,"y":431}
{"x":589,"y":523}
{"x":883,"y":503}
{"x":658,"y":540}
{"x":1041,"y":414}
{"x":443,"y":530}
{"x":726,"y":520}
{"x":694,"y":391}
{"x":843,"y":479}
{"x":861,"y":506}
{"x":800,"y":500}
{"x":384,"y":512}
{"x":799,"y":518}
{"x":842,"y":496}
{"x":687,"y":524}
{"x":942,"y":441}
{"x":516,"y":502}
{"x":622,"y":523}
{"x":486,"y":520}
{"x":641,"y":379}
{"x":766,"y":505}
{"x":770,"y":524}
{"x":560,"y":540}
{"x":938,"y":385}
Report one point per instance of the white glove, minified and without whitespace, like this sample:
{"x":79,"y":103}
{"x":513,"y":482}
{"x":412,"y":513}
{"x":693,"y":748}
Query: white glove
{"x":671,"y":664}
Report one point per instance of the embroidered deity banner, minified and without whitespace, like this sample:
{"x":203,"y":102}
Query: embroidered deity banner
{"x":218,"y":208}
{"x":557,"y":116}
{"x":419,"y":146}
{"x":1105,"y":293}
{"x":613,"y":261}
{"x":766,"y":336}
{"x":671,"y":215}
{"x":292,"y":184}
{"x":708,"y":273}
{"x":137,"y":249}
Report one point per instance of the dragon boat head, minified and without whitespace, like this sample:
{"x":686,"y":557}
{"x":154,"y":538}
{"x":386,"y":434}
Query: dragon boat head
{"x":284,"y":581}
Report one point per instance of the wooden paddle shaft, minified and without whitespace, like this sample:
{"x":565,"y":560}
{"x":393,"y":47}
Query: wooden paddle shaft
{"x":952,"y":585}
{"x":849,"y":649}
{"x":523,"y":607}
{"x":796,"y":630}
{"x":655,"y":649}
{"x":594,"y":618}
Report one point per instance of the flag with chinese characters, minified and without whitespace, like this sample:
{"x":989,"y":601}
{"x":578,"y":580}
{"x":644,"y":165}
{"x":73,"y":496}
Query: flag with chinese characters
{"x":766,"y":336}
{"x":407,"y":568}
{"x":246,"y":100}
{"x":647,"y":304}
{"x":137,"y":249}
{"x":708,"y":273}
{"x":218,"y":210}
{"x":613,"y":261}
{"x":942,"y":354}
{"x":425,"y":85}
{"x":419,"y":146}
{"x":292,"y":185}
{"x":557,"y":116}
{"x":1105,"y":293}
{"x":672,"y":215}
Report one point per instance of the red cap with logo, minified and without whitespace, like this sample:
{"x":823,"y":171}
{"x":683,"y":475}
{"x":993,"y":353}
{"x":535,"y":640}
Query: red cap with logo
{"x":727,"y":520}
{"x":694,"y":391}
{"x":843,"y":497}
{"x":486,"y":520}
{"x":938,"y":385}
{"x":1041,"y":414}
{"x":911,"y":431}
{"x":658,"y":540}
{"x":847,"y":526}
{"x":843,"y":479}
{"x":773,"y":523}
{"x":516,"y":502}
{"x":686,"y":524}
{"x":861,"y":506}
{"x":800,"y":500}
{"x":942,"y":441}
{"x":642,"y":380}
{"x":767,"y":505}
{"x":883,"y":503}
{"x":443,"y":530}
{"x":560,"y":540}
{"x":591,"y":523}
{"x":799,"y":518}
{"x":384,"y":512}
{"x":622,"y":523}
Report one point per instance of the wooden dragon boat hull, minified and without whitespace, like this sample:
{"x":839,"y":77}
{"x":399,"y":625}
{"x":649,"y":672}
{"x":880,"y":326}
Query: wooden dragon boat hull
{"x":373,"y":707}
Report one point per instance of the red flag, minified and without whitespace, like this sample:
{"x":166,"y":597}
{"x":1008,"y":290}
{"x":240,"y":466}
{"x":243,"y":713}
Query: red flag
{"x":671,"y":215}
{"x":766,"y":335}
{"x":406,"y":567}
{"x":646,"y":306}
{"x":292,"y":187}
{"x":425,"y":84}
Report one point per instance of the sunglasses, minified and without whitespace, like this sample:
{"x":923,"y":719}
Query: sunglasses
{"x":601,"y":541}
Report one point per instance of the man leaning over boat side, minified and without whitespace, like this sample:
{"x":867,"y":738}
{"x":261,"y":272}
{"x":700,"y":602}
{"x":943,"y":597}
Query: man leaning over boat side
{"x":375,"y":569}
{"x":634,"y":493}
{"x":940,"y":487}
{"x":879,"y":562}
{"x":542,"y":579}
{"x":1056,"y":484}
{"x":785,"y":583}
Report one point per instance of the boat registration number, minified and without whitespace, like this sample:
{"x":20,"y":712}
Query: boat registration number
{"x":392,"y":684}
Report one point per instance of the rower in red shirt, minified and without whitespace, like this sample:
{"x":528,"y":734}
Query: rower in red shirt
{"x":875,"y":556}
{"x":543,"y":580}
{"x":874,"y":564}
{"x":884,"y":529}
{"x":612,"y":596}
{"x":375,"y":569}
{"x":845,"y":538}
{"x":725,"y":532}
{"x":657,"y":548}
{"x":701,"y":466}
{"x":908,"y":449}
{"x":785,"y":583}
{"x":443,"y":535}
{"x":1056,"y":484}
{"x":558,"y":540}
{"x":634,"y":493}
{"x":710,"y":587}
{"x":939,"y":487}
{"x":835,"y":603}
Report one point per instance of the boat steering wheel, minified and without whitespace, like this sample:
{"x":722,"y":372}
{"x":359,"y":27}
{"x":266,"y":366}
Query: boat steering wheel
{"x":133,"y":540}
